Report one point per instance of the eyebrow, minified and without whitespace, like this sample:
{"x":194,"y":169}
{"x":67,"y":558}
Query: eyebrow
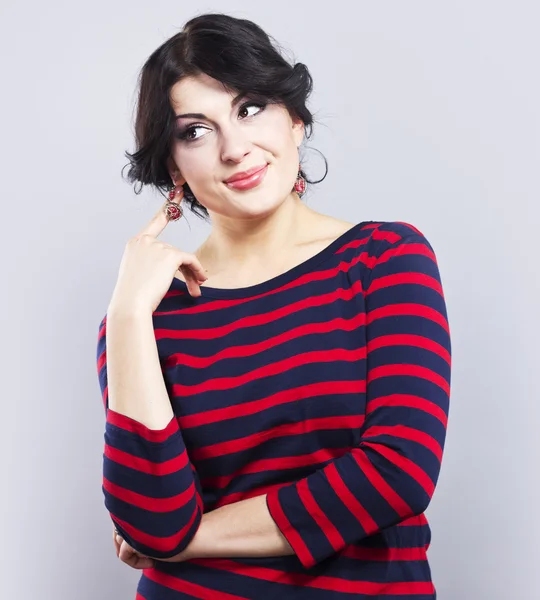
{"x":234,"y":102}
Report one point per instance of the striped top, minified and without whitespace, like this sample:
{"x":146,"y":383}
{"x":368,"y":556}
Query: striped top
{"x":327,"y":388}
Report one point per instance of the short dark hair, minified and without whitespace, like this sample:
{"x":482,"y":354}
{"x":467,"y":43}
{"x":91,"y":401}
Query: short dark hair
{"x":234,"y":51}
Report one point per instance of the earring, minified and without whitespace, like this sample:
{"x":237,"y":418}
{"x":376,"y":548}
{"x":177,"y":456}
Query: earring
{"x":172,"y":210}
{"x":300,"y":183}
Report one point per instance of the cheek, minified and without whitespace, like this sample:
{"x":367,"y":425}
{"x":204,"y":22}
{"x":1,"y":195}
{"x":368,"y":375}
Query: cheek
{"x":193,"y":162}
{"x":280,"y":144}
{"x":273,"y":131}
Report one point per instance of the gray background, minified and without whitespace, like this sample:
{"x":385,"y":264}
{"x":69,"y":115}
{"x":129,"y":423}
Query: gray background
{"x":427,"y":113}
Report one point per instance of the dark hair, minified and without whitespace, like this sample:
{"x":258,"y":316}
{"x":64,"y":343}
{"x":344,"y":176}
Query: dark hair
{"x":236,"y":52}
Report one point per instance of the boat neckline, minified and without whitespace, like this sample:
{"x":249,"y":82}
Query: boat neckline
{"x":278,"y":280}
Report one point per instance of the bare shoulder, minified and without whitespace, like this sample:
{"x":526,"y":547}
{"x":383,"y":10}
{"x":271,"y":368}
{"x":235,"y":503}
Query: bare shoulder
{"x":325,"y":229}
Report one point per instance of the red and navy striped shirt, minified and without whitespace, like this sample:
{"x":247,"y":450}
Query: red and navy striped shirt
{"x":327,"y":388}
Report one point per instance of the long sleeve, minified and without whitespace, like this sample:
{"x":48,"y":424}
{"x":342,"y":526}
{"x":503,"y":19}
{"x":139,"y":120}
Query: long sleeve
{"x":391,"y":474}
{"x":151,"y":489}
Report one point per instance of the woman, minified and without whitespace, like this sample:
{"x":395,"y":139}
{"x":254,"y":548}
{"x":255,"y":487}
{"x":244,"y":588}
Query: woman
{"x":276,"y":402}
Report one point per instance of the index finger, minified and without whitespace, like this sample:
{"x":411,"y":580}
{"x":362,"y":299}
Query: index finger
{"x":159,"y":221}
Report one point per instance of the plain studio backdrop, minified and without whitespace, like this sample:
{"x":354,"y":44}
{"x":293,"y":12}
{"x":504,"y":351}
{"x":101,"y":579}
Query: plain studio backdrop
{"x":428,"y":112}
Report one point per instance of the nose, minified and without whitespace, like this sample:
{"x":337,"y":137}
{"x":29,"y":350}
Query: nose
{"x":234,"y":145}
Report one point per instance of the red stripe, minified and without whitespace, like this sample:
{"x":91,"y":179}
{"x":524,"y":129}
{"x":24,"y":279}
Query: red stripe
{"x":349,"y":499}
{"x":384,"y":554}
{"x":405,"y":278}
{"x":379,"y":483}
{"x":354,"y":243}
{"x":409,"y":370}
{"x":276,"y":464}
{"x":161,"y":544}
{"x":174,"y":465}
{"x":404,"y":339}
{"x":278,"y":367}
{"x":388,"y":236}
{"x":152,"y":435}
{"x":241,"y":351}
{"x":293,"y":537}
{"x":101,"y":361}
{"x":173,"y":582}
{"x":322,"y":582}
{"x":407,"y":433}
{"x":263,"y":318}
{"x":156,"y":505}
{"x":312,"y":390}
{"x":405,"y":464}
{"x":346,"y":422}
{"x":314,"y":510}
{"x":413,"y":248}
{"x":411,"y":402}
{"x":405,"y":309}
{"x":223,"y":304}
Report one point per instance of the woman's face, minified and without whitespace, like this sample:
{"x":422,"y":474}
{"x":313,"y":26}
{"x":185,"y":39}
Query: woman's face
{"x":228,"y":139}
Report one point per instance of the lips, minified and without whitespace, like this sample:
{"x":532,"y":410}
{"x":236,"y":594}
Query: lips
{"x":248,"y":183}
{"x":245,"y":174}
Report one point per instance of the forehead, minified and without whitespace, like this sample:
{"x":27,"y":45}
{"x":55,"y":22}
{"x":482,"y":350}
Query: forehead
{"x":198,"y":91}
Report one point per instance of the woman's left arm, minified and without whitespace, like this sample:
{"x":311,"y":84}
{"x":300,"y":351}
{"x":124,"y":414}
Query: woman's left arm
{"x":244,"y":528}
{"x":391,"y":474}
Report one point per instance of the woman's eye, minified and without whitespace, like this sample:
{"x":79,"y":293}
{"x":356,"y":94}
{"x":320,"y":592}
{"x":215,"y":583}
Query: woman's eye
{"x":251,"y":104}
{"x":187,"y":133}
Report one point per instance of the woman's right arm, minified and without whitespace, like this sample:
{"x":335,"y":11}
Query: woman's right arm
{"x":151,"y":489}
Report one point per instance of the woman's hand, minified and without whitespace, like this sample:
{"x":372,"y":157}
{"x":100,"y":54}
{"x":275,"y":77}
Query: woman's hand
{"x":139,"y":561}
{"x":126,"y":554}
{"x":149,"y":265}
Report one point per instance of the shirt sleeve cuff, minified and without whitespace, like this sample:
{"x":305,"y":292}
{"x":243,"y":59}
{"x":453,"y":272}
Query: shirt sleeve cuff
{"x":131,"y":425}
{"x":275,"y":508}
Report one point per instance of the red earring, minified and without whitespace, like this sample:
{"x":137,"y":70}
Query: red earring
{"x":172,"y":210}
{"x":300,"y":183}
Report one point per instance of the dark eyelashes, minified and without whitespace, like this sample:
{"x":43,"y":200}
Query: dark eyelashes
{"x":185,"y":133}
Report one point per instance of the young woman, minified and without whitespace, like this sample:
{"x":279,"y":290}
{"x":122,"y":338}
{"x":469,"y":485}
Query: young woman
{"x":276,"y":402}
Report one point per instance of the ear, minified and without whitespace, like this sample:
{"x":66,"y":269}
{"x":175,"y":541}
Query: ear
{"x":174,"y":172}
{"x":298,"y":131}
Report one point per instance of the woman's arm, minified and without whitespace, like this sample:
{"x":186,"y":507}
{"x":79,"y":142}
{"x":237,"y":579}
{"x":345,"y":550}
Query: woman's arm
{"x":391,"y":474}
{"x":244,"y":528}
{"x":136,"y":387}
{"x":151,"y":490}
